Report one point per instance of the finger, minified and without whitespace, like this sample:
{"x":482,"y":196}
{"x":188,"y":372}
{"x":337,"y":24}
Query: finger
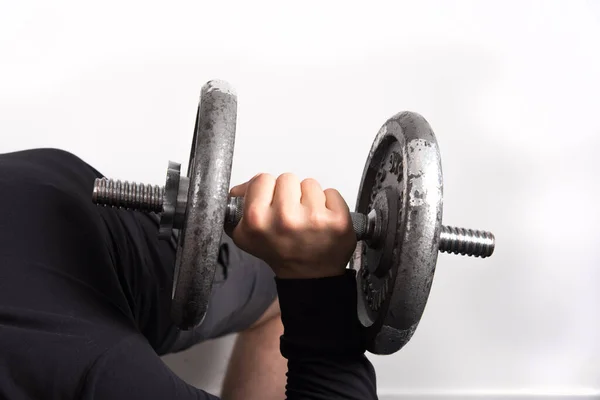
{"x":240,"y":190}
{"x":287,"y":192}
{"x":335,"y":202}
{"x":259,"y":191}
{"x":258,"y":197}
{"x":312,"y":194}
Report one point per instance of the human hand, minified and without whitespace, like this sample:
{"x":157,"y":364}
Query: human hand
{"x":296,"y":227}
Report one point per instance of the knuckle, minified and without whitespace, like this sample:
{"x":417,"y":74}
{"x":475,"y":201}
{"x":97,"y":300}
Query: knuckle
{"x":340,"y":224}
{"x":289,"y":222}
{"x":262,"y":178}
{"x":332,"y":192}
{"x":310,"y":182}
{"x":318,"y":220}
{"x":286,"y":177}
{"x":255,"y":218}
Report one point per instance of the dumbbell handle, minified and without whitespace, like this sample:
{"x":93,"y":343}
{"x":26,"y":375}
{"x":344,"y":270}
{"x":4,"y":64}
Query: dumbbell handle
{"x":149,"y":198}
{"x":368,"y":227}
{"x":365,"y":226}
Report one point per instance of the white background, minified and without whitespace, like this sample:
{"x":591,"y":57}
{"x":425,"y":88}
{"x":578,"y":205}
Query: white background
{"x":510,"y":88}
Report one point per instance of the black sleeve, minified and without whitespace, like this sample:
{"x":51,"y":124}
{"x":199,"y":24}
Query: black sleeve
{"x":323,"y":340}
{"x":132,"y":370}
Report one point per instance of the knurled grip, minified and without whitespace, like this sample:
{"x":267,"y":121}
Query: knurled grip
{"x":234,"y":212}
{"x":360,"y":225}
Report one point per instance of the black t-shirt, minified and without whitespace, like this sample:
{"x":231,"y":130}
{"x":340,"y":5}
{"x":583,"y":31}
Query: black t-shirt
{"x":73,"y":324}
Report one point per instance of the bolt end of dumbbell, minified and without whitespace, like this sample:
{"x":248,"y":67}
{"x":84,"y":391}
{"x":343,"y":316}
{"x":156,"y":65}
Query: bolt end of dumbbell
{"x":95,"y":192}
{"x":130,"y":195}
{"x":467,"y":242}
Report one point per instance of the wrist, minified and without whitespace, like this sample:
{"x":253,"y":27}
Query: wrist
{"x":296,"y":271}
{"x":319,"y":317}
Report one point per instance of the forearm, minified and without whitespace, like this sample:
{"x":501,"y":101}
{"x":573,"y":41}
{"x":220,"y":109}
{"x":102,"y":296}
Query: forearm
{"x":322,"y":340}
{"x":256,"y":368}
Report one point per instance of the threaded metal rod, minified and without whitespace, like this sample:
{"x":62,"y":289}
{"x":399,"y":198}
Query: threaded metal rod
{"x":466,"y":242}
{"x":131,"y":195}
{"x":149,"y":198}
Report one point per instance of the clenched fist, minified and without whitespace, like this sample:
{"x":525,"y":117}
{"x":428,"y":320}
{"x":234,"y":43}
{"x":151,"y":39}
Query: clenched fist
{"x":296,"y":227}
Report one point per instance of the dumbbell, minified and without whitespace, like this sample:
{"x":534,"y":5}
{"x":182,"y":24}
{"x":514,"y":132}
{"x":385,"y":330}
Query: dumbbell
{"x":397,"y":221}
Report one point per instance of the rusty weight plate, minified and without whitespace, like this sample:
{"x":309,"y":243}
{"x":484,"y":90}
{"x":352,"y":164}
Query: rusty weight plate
{"x":209,"y":173}
{"x":403,"y":179}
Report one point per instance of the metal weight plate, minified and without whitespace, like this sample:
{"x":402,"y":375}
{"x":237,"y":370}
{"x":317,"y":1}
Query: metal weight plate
{"x":209,"y":173}
{"x":403,"y":180}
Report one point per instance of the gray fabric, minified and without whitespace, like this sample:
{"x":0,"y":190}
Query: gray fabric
{"x":243,"y":289}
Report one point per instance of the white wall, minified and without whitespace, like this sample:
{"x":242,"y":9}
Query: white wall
{"x":510,"y":88}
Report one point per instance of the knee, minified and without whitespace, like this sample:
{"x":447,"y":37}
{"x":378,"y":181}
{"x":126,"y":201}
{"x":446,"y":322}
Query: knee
{"x":44,"y":155}
{"x":46,"y":180}
{"x":273,"y":312}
